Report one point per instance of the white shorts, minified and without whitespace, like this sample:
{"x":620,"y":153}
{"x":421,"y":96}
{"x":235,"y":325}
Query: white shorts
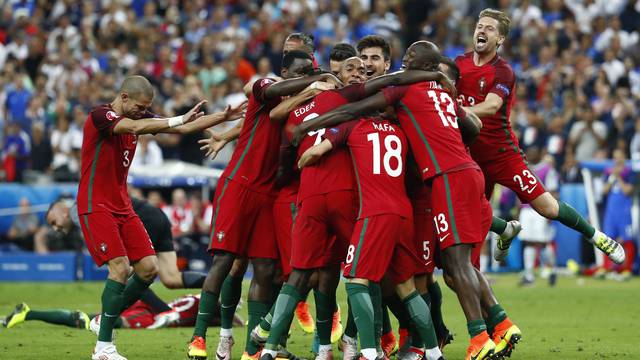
{"x":535,"y":228}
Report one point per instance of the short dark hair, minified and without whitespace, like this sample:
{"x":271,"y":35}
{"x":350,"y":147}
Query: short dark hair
{"x":292,"y":55}
{"x":342,"y":51}
{"x":454,"y":71}
{"x":370,"y":41}
{"x":307,"y":40}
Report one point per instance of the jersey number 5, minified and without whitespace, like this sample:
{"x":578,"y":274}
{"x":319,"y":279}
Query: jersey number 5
{"x":448,"y":116}
{"x":393,"y":149}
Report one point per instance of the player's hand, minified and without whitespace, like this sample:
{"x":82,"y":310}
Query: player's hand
{"x":308,"y":158}
{"x":298,"y":134}
{"x":332,"y":79}
{"x":194,"y":113}
{"x":233,"y":113}
{"x":213,"y":144}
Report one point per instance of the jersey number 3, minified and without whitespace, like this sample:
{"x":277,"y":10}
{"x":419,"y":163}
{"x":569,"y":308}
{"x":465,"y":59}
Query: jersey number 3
{"x":393,"y":150}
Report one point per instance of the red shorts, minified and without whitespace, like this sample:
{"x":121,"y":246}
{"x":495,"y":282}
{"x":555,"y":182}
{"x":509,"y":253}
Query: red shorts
{"x":512,"y":172}
{"x":486,"y":218}
{"x":456,"y":200}
{"x":109,"y":236}
{"x":138,"y":315}
{"x":323,"y":228}
{"x":382,"y":244}
{"x":284,"y":214}
{"x":423,"y":234}
{"x":242,"y":222}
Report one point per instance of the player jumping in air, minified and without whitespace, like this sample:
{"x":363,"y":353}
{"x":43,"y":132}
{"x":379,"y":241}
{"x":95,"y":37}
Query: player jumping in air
{"x":487,"y":88}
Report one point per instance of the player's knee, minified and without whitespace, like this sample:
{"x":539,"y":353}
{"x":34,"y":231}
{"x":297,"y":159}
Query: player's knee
{"x":119,"y":269}
{"x":171,"y":280}
{"x":148,"y":270}
{"x":546,"y":205}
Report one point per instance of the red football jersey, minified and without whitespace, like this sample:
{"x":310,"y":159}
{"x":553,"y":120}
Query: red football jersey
{"x":187,"y":307}
{"x":333,"y":172}
{"x":255,"y":160}
{"x":496,"y":137}
{"x":429,"y":117}
{"x":379,"y":151}
{"x":105,"y":163}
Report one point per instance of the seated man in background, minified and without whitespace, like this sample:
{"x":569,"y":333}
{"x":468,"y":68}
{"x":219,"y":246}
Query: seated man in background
{"x":23,"y":227}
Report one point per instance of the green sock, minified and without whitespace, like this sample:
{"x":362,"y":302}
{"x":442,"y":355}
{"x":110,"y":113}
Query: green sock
{"x":282,"y":315}
{"x":351,"y":330}
{"x":275,"y":291}
{"x":112,"y":300}
{"x":265,"y":322}
{"x":324,"y":316}
{"x":362,"y":307}
{"x":419,"y":313}
{"x":495,"y":315}
{"x":476,"y":327}
{"x":395,"y":305}
{"x":376,"y":300}
{"x":206,"y":310}
{"x":256,"y":310}
{"x":58,"y":317}
{"x":568,"y":216}
{"x":436,"y":306}
{"x":386,"y":321}
{"x":416,"y":340}
{"x":132,"y":291}
{"x":498,"y":225}
{"x":229,"y":297}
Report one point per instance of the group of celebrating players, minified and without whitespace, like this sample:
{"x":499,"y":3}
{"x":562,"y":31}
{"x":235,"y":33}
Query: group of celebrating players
{"x":384,"y":176}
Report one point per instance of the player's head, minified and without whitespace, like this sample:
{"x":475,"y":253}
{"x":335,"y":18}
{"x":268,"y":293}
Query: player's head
{"x":136,"y":96}
{"x":534,"y":155}
{"x":352,"y":71}
{"x":340,"y":53}
{"x":449,"y":68}
{"x":58,"y":217}
{"x":296,"y":63}
{"x":491,"y":31}
{"x":376,"y":53}
{"x":298,"y":41}
{"x":423,"y":55}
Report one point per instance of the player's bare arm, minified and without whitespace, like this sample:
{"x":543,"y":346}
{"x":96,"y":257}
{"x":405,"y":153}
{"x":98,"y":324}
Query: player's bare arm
{"x":295,"y":85}
{"x":207,"y":121}
{"x":490,"y":106}
{"x":216,"y":141}
{"x":314,"y":153}
{"x":470,"y":126}
{"x":342,"y":114}
{"x":281,"y":112}
{"x":155,"y":125}
{"x":407,"y":77}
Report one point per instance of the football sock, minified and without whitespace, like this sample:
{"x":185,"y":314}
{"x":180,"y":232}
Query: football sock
{"x":324,"y":316}
{"x":419,"y":313}
{"x":350,"y":329}
{"x":134,"y":288}
{"x":229,"y":297}
{"x":529,"y":257}
{"x":416,"y":340}
{"x":436,"y":306}
{"x":150,"y":298}
{"x":386,"y":322}
{"x":376,"y":300}
{"x":568,"y":216}
{"x":112,"y":300}
{"x":476,"y":327}
{"x":397,"y":308}
{"x":282,"y":315}
{"x":58,"y":317}
{"x":362,"y":307}
{"x":265,"y":322}
{"x":193,"y":279}
{"x":256,"y":310}
{"x":206,"y":309}
{"x":495,"y":316}
{"x":275,"y":291}
{"x":498,"y":225}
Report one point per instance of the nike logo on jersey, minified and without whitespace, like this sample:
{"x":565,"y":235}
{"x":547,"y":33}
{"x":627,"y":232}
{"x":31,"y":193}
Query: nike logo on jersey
{"x":444,"y":237}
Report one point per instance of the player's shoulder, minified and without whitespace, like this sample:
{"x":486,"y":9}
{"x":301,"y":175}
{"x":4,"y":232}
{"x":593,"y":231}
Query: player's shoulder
{"x":103,"y":111}
{"x":464,"y":57}
{"x":500,"y":63}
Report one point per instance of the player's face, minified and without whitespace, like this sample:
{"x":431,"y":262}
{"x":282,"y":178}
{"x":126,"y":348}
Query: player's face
{"x":300,"y":67}
{"x":353,"y":71}
{"x":374,"y":61}
{"x":58,"y":218}
{"x":486,"y":36}
{"x":135,"y":108}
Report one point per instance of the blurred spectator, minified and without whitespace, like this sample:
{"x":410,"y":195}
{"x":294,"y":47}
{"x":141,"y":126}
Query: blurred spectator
{"x":66,"y":145}
{"x":41,"y":152}
{"x":17,"y":102}
{"x":179,"y":213}
{"x":155,"y":198}
{"x":15,"y":152}
{"x":587,"y":136}
{"x":62,"y":235}
{"x":202,"y":215}
{"x":23,"y":227}
{"x":147,"y":153}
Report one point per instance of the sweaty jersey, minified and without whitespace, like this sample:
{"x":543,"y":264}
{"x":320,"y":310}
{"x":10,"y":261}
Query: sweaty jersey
{"x":105,"y":163}
{"x":255,"y":160}
{"x":379,"y":151}
{"x":334,"y":171}
{"x":429,"y":117}
{"x":496,"y":138}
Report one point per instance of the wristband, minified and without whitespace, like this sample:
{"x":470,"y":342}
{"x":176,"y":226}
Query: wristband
{"x":175,"y":121}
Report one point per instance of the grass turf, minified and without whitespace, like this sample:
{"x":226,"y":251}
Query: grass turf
{"x":578,"y":319}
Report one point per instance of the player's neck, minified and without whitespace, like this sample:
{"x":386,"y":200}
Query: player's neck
{"x":116,"y":105}
{"x":481,"y":59}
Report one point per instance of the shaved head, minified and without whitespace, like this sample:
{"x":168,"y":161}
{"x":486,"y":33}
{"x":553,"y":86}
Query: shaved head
{"x":137,"y":87}
{"x":423,"y":55}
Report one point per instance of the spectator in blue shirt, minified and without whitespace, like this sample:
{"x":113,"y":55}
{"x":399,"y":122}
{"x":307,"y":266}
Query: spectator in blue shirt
{"x":15,"y":152}
{"x":18,"y":101}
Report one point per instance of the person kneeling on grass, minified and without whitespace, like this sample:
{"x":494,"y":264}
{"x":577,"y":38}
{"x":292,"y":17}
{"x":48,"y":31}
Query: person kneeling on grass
{"x":137,"y":316}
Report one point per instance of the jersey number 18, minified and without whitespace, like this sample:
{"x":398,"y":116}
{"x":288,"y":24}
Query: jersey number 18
{"x":393,"y":149}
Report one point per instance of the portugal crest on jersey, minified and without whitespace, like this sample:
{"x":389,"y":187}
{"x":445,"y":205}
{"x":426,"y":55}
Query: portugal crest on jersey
{"x":482,"y":83}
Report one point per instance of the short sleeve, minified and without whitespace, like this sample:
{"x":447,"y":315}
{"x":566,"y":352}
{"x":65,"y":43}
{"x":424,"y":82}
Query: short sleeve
{"x":339,"y":135}
{"x":393,"y":94}
{"x":353,"y":92}
{"x":105,"y":119}
{"x":259,"y":88}
{"x":504,"y":81}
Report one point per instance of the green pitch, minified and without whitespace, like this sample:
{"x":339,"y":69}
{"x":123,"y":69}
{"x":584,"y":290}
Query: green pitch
{"x":579,"y":319}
